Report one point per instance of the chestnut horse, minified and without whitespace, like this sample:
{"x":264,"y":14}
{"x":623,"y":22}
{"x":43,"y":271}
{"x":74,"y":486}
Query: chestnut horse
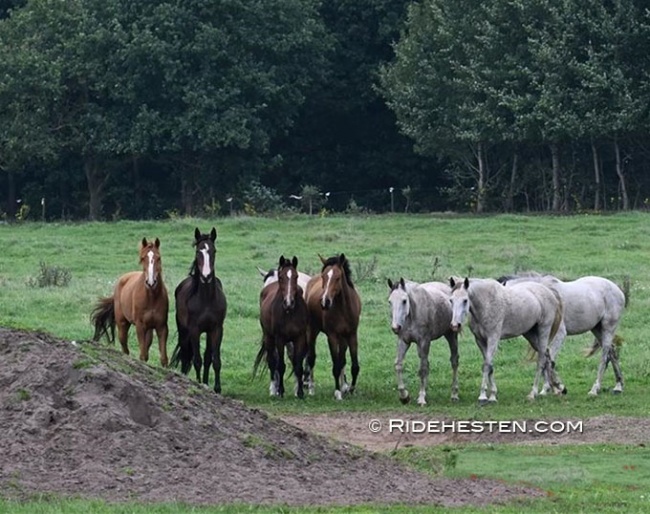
{"x":334,"y":308}
{"x":200,"y":308}
{"x":140,"y":299}
{"x":283,"y":317}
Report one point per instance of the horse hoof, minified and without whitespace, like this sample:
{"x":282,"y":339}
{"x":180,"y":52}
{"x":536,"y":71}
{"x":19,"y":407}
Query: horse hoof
{"x":405,"y":399}
{"x":483,"y":402}
{"x":455,"y":399}
{"x":616,"y":391}
{"x":564,"y":391}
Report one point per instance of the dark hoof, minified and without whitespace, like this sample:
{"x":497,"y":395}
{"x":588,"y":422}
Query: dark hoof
{"x":301,"y":395}
{"x":405,"y":400}
{"x":217,"y":390}
{"x":616,"y":391}
{"x":565,"y":390}
{"x":455,"y":399}
{"x":483,"y":403}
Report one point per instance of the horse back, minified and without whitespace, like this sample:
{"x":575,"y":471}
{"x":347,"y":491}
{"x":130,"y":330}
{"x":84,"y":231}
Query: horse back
{"x":431,"y":311}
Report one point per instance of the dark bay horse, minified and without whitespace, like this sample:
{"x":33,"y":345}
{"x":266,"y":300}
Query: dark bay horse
{"x":140,"y":299}
{"x":283,"y":317}
{"x":334,"y":308}
{"x":200,"y":308}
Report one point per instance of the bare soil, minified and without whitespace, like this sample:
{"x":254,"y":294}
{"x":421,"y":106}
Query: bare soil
{"x":102,"y":425}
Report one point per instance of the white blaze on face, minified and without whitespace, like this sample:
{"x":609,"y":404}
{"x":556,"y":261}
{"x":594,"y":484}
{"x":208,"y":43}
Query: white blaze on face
{"x":326,"y":289}
{"x":287,"y":298}
{"x":205,"y":269}
{"x":151,"y":279}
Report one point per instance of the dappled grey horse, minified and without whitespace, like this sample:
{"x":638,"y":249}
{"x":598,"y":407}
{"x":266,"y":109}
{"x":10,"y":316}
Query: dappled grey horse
{"x":496,"y":312}
{"x":591,"y":304}
{"x":272,"y":276}
{"x":421,"y":313}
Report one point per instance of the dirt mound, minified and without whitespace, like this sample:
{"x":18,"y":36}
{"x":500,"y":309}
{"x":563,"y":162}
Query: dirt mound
{"x":97,"y":424}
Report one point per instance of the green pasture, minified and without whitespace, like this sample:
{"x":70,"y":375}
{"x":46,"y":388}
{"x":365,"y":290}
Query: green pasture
{"x":417,"y":247}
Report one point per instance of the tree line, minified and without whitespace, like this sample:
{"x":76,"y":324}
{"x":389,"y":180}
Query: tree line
{"x":115,"y":108}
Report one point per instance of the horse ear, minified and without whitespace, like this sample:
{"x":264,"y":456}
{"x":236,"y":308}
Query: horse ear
{"x":261,"y":271}
{"x":390,"y":284}
{"x":213,"y":234}
{"x":294,"y":261}
{"x":466,"y":283}
{"x":197,"y":234}
{"x":281,"y":261}
{"x":144,"y":242}
{"x":342,"y":258}
{"x":157,"y":243}
{"x":452,"y":282}
{"x":323,"y":261}
{"x":401,"y":283}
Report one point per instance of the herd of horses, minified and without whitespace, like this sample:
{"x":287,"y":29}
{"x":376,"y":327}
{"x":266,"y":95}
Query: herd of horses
{"x":295,"y":308}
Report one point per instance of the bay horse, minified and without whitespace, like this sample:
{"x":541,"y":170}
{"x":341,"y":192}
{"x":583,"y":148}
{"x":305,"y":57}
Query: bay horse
{"x":200,"y":308}
{"x":334,"y":308}
{"x":496,"y":312}
{"x":139,"y":298}
{"x":283,"y":318}
{"x":591,"y":304}
{"x":420,"y":314}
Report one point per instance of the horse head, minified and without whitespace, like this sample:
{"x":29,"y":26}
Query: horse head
{"x":400,"y":305}
{"x":150,"y":261}
{"x":288,"y":281}
{"x":335,"y":274}
{"x":459,"y":302}
{"x":205,"y":254}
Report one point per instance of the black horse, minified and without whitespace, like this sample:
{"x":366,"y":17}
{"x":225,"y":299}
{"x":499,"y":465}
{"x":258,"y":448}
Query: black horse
{"x":200,"y":308}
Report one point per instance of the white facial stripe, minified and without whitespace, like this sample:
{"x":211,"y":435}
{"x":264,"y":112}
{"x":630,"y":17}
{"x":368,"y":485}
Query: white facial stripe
{"x":289,"y":292}
{"x":205,"y":271}
{"x":330,"y":274}
{"x":150,"y":269}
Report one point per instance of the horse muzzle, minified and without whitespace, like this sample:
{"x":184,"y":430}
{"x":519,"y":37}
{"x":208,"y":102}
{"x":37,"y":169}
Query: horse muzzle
{"x":326,"y":303}
{"x":396,"y":329}
{"x":456,"y":327}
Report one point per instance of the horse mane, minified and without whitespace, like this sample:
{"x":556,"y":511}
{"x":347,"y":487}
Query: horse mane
{"x":345,"y":265}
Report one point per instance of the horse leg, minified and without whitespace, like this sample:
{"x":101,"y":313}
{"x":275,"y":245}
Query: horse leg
{"x":485,"y":381}
{"x":272,"y":363}
{"x":123,"y":335}
{"x":551,"y":379}
{"x":195,"y":343}
{"x":215,"y":345}
{"x":337,"y":368}
{"x":207,"y":359}
{"x":402,"y":348}
{"x":606,"y":339}
{"x":452,"y":339}
{"x":297,"y":358}
{"x":162,"y":332}
{"x":613,"y":358}
{"x":311,"y":362}
{"x":354,"y":357}
{"x":423,"y":353}
{"x":145,"y":336}
{"x":279,"y":346}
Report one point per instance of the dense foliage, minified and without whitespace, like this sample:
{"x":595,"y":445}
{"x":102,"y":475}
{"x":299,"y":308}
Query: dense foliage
{"x":112,"y":108}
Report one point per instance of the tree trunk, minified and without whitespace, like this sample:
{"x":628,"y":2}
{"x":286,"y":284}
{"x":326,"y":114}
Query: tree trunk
{"x":96,"y":181}
{"x":594,"y":153}
{"x":480,"y":196}
{"x":555,"y":159}
{"x":11,"y":195}
{"x":513,"y":178}
{"x":620,"y":171}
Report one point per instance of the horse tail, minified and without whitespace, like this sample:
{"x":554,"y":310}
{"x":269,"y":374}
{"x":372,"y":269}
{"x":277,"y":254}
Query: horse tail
{"x":618,"y":341}
{"x":626,"y":289}
{"x":103,"y":317}
{"x":182,"y":354}
{"x":559,"y":313}
{"x":259,"y":358}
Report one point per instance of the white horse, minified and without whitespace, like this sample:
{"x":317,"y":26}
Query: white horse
{"x":421,"y":313}
{"x":496,"y":312}
{"x":272,"y":276}
{"x":591,"y":304}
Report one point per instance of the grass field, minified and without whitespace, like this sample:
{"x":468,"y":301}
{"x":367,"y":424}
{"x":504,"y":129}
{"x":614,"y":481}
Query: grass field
{"x":421,"y":248}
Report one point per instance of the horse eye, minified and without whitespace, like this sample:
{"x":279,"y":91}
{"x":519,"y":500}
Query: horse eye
{"x":403,"y":302}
